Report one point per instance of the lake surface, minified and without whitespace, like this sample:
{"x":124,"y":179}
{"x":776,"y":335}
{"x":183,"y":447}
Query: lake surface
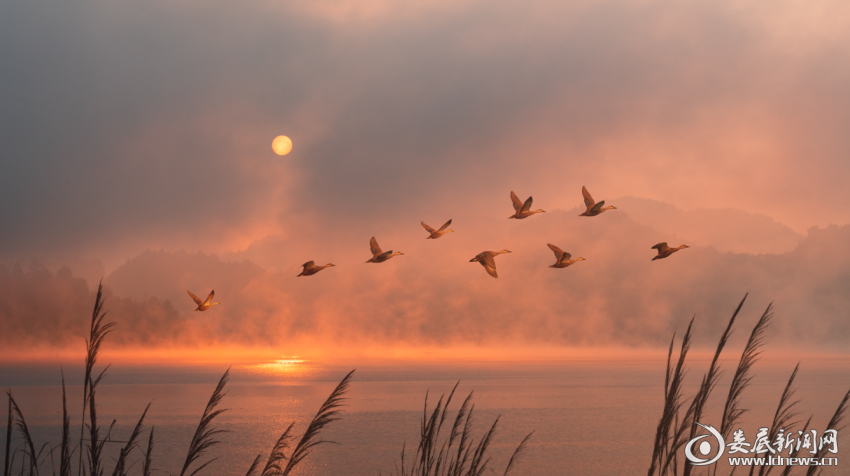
{"x":588,"y":417}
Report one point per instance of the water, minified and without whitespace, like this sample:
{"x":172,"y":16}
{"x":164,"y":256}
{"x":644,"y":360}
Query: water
{"x":588,"y":417}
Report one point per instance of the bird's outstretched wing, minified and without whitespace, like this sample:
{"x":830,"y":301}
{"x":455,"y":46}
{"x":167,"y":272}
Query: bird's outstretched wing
{"x":598,"y":206}
{"x":515,"y":200}
{"x":527,"y":205}
{"x":209,"y":298}
{"x":661,"y":247}
{"x":373,"y":245}
{"x":430,"y":230}
{"x":309,"y":265}
{"x":558,"y":251}
{"x":588,"y":200}
{"x":489,"y":264}
{"x":446,"y":225}
{"x":196,"y":298}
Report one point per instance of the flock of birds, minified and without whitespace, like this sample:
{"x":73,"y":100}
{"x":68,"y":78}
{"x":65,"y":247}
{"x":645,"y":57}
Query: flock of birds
{"x":485,"y":258}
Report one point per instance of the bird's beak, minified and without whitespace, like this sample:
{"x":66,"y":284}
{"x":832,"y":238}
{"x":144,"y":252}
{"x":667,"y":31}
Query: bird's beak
{"x":473,"y":260}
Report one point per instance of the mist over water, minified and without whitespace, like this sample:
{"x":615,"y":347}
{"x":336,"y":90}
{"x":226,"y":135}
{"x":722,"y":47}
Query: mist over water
{"x":588,"y":417}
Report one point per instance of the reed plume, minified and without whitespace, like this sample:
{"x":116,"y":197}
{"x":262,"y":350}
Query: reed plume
{"x":97,"y":332}
{"x":205,"y":432}
{"x":29,"y":447}
{"x":131,"y":443}
{"x":278,"y":453}
{"x":783,"y":413}
{"x":254,"y":465}
{"x":731,"y":410}
{"x":709,"y":381}
{"x":327,"y":414}
{"x":466,"y":460}
{"x":661,"y":454}
{"x":836,"y":420}
{"x":146,"y":465}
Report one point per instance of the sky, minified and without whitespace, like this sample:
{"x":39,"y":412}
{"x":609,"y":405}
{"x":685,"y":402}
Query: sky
{"x":136,"y":147}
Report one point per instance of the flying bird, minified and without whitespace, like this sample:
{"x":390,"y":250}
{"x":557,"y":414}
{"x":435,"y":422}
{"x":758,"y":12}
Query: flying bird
{"x":522,"y":210}
{"x":665,"y":251}
{"x":437,"y":233}
{"x":562,"y":258}
{"x":204,"y":305}
{"x":310,"y":268}
{"x":486,"y":260}
{"x":593,"y":208}
{"x":379,"y":256}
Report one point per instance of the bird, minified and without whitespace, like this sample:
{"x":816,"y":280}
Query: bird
{"x":562,"y":259}
{"x":310,"y":268}
{"x":379,"y":256}
{"x":593,"y":208}
{"x":434,"y":234}
{"x":522,"y":210}
{"x":204,"y":305}
{"x":665,"y":251}
{"x":486,"y":260}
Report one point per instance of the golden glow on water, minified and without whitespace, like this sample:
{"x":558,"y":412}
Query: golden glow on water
{"x":290,"y":366}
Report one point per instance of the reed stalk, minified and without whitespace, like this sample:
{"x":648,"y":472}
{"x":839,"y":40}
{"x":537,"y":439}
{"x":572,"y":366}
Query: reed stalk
{"x":6,"y":462}
{"x":120,"y":466}
{"x":672,"y":403}
{"x":146,"y":465}
{"x":709,"y":381}
{"x":204,"y":437}
{"x":29,"y":447}
{"x":833,"y":424}
{"x":327,"y":414}
{"x":65,"y":452}
{"x":97,"y":332}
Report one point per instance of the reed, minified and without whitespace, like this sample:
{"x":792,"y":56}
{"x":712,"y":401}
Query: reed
{"x":146,"y":464}
{"x":833,"y":424}
{"x":205,"y":433}
{"x":468,"y":460}
{"x":709,"y":381}
{"x":278,"y":453}
{"x":784,"y":413}
{"x":97,"y":332}
{"x":732,"y":410}
{"x":661,"y":454}
{"x":6,"y":465}
{"x":29,"y":447}
{"x":327,"y":414}
{"x":95,"y":452}
{"x":65,"y":453}
{"x":120,"y":466}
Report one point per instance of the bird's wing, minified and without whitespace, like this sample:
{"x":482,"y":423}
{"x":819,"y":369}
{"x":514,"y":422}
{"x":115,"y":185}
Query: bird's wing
{"x":373,"y":245}
{"x":567,"y":257}
{"x":515,"y":200}
{"x":661,"y":247}
{"x":309,"y":265}
{"x":196,"y":298}
{"x":489,"y":264}
{"x":527,"y":205}
{"x":558,"y":251}
{"x":209,"y":298}
{"x":588,"y":200}
{"x":430,"y":230}
{"x":598,"y":206}
{"x":446,"y":225}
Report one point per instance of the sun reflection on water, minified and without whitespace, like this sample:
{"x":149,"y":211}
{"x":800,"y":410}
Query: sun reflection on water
{"x":290,"y":367}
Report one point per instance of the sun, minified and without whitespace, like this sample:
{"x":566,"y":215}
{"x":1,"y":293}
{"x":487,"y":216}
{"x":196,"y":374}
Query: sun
{"x":282,"y":145}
